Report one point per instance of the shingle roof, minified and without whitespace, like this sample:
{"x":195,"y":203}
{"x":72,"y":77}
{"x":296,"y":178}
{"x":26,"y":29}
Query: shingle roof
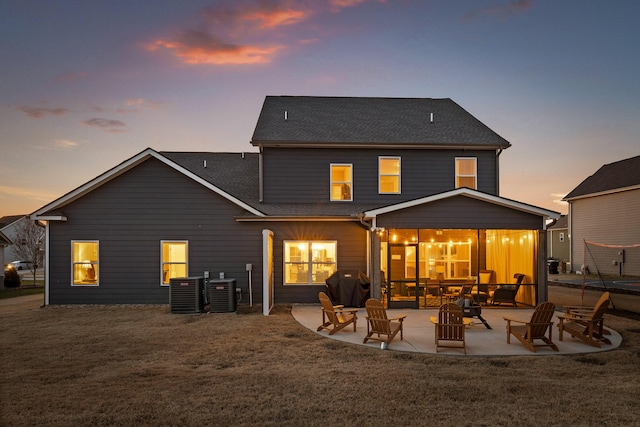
{"x":371,"y":121}
{"x":612,"y":176}
{"x":234,"y":173}
{"x":10,"y":219}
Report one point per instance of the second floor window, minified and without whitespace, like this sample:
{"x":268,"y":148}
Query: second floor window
{"x":341,"y":182}
{"x":389,"y":175}
{"x":466,"y":172}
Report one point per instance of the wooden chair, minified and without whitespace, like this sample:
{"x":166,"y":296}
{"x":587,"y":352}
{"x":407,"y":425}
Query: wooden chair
{"x":585,"y":323}
{"x":507,"y":293}
{"x":379,"y":324}
{"x":335,"y":317}
{"x":450,"y":327}
{"x":534,"y":329}
{"x":486,"y":284}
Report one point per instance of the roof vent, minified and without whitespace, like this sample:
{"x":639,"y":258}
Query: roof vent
{"x":204,"y":163}
{"x":431,"y":117}
{"x":286,"y":115}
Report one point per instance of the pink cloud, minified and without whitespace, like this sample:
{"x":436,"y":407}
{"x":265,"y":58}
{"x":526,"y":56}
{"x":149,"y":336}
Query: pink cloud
{"x":199,"y":47}
{"x":107,"y":125}
{"x":38,"y":113}
{"x":504,"y":11}
{"x":250,"y":32}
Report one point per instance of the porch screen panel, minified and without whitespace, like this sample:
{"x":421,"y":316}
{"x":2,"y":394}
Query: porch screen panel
{"x":510,"y":252}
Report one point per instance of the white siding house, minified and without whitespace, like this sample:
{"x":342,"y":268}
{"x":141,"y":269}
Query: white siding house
{"x":605,"y":208}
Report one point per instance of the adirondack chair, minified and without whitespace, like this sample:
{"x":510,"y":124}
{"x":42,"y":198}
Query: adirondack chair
{"x":586,"y":324}
{"x":450,"y":327}
{"x":507,"y":293}
{"x":335,"y":317}
{"x":534,"y":329}
{"x":378,"y":324}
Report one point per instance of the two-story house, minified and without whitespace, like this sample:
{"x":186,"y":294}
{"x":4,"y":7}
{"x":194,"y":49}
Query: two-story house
{"x":405,"y":190}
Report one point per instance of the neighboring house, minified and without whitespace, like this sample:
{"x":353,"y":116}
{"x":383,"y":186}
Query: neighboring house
{"x":605,"y":208}
{"x":8,"y":227}
{"x":406,"y":187}
{"x":558,"y":241}
{"x":4,"y":242}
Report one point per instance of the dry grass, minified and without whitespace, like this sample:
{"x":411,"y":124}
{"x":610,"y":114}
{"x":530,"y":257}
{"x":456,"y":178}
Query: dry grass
{"x":66,"y":366}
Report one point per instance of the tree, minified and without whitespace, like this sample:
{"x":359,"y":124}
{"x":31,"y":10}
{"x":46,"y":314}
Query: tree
{"x":29,"y":241}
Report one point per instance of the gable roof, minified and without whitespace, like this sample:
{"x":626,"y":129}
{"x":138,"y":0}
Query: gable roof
{"x":560,"y":224}
{"x":466,"y":192}
{"x":51,"y":211}
{"x":610,"y":178}
{"x":4,"y":240}
{"x":395,"y":122}
{"x":5,"y":221}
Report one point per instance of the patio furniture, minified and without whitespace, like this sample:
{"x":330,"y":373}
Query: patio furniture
{"x":335,"y":317}
{"x":450,"y":327}
{"x":534,"y":329}
{"x":484,"y":291}
{"x":470,"y":308}
{"x":379,"y":324}
{"x":507,"y":293}
{"x":586,"y":325}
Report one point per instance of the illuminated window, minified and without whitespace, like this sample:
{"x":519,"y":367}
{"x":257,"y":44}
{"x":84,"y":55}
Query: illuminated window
{"x":389,"y":171}
{"x":341,"y":182}
{"x":174,"y":260}
{"x":84,"y":256}
{"x":466,"y":172}
{"x":309,"y":263}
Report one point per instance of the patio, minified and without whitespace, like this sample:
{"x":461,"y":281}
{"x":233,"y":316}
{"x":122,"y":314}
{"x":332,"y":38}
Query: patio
{"x":419,"y":333}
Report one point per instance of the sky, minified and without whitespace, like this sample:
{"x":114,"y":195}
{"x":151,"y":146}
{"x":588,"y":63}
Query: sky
{"x":85,"y":85}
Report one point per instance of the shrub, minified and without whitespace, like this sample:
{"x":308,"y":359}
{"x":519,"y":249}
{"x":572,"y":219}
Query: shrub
{"x":11,"y":278}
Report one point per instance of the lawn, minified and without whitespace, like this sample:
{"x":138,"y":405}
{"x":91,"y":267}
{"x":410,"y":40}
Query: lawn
{"x":141,"y":365}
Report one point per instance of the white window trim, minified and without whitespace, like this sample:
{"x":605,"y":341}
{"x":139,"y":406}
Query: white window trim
{"x":162,"y":263}
{"x":331,"y":182}
{"x":73,"y":263}
{"x":475,"y":176}
{"x":309,"y":261}
{"x":399,"y":175}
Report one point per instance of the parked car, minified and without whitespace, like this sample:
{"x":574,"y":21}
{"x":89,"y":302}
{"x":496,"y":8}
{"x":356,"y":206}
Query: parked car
{"x":20,"y":265}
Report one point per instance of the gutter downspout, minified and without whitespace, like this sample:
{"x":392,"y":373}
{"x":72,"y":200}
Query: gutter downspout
{"x":260,"y":181}
{"x":498,"y":172}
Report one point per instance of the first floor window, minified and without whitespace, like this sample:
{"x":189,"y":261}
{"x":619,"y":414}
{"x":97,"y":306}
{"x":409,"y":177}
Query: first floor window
{"x":466,"y":172}
{"x":309,"y":262}
{"x":84,"y":256}
{"x":341,"y":182}
{"x":174,"y":260}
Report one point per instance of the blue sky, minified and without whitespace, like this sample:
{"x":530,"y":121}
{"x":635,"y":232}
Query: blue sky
{"x":84,"y":85}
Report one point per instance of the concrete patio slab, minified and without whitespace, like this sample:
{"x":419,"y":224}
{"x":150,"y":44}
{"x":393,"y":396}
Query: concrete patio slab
{"x":419,"y":333}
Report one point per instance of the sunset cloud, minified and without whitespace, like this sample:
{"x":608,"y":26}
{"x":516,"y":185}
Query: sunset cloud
{"x":503,"y":11}
{"x":38,"y":113}
{"x":107,"y":125}
{"x":141,"y":102}
{"x":247,"y":32}
{"x":200,"y":47}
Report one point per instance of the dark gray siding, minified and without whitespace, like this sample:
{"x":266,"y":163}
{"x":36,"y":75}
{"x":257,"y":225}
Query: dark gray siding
{"x":302,"y":175}
{"x":352,"y":253}
{"x":458,"y":213}
{"x":130,"y":215}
